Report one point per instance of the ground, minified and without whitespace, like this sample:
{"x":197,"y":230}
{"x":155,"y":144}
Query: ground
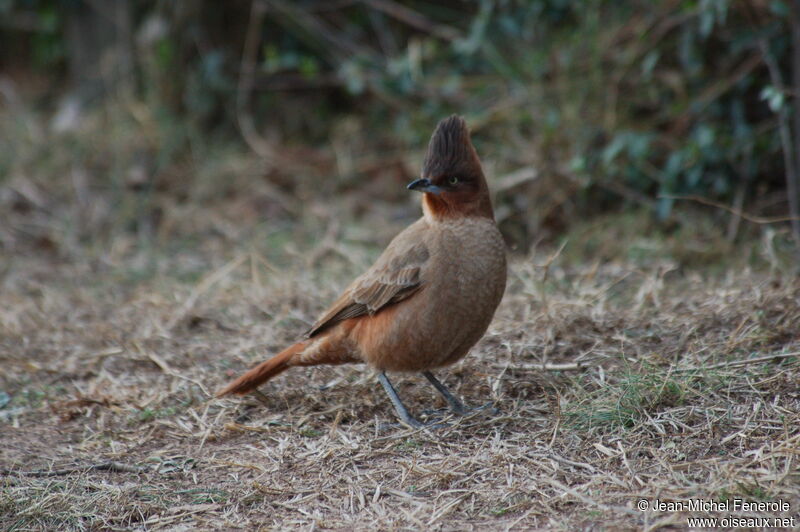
{"x":617,"y":376}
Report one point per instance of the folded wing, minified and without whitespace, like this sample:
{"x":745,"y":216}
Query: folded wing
{"x":395,"y":276}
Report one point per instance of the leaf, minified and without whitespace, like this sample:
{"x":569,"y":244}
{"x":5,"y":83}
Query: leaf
{"x":774,"y":98}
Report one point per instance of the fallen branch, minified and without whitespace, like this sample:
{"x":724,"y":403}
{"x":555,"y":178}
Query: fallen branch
{"x":743,"y":362}
{"x":566,"y":366}
{"x":114,"y":467}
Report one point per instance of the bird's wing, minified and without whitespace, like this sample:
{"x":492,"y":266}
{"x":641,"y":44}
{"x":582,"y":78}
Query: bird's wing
{"x":395,"y":276}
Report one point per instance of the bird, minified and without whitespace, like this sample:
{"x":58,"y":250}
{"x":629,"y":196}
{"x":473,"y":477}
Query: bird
{"x":428,"y":298}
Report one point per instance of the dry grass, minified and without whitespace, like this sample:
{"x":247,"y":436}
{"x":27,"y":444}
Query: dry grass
{"x":110,"y":343}
{"x":106,"y":370}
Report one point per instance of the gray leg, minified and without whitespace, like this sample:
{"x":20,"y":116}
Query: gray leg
{"x":405,"y":417}
{"x":455,"y":405}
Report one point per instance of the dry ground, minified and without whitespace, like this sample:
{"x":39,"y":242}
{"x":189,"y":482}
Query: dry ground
{"x":107,"y":422}
{"x":620,"y":373}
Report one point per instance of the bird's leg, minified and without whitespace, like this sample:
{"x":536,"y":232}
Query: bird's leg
{"x":455,"y":405}
{"x":402,"y":412}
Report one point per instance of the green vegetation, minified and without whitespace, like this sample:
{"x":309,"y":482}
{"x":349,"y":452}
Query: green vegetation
{"x":608,"y":104}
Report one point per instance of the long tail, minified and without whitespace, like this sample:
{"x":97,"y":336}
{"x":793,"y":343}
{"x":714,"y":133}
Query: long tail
{"x":264,"y":371}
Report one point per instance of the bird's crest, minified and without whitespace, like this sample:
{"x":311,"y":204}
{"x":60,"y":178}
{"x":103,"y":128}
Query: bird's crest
{"x":450,"y":149}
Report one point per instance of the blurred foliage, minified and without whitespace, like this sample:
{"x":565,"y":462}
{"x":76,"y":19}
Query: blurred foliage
{"x":631,"y":102}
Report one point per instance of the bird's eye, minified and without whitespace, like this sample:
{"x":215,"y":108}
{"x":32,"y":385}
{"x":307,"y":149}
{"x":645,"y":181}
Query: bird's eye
{"x":453,"y":180}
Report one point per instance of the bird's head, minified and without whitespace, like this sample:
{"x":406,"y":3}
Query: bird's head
{"x":452,"y":179}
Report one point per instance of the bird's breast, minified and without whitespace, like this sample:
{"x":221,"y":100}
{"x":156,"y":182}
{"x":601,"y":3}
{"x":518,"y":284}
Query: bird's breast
{"x":463,"y":283}
{"x":475,"y":264}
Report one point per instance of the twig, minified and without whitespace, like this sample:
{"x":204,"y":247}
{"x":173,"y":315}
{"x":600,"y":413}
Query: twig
{"x":115,"y":467}
{"x":738,"y":204}
{"x":413,"y":18}
{"x":621,"y":190}
{"x":628,"y":193}
{"x":580,"y":496}
{"x":318,"y":31}
{"x":547,"y":366}
{"x":189,"y":510}
{"x":546,"y":265}
{"x":794,"y":185}
{"x":201,"y":288}
{"x":166,"y":368}
{"x":555,"y":432}
{"x":723,"y":85}
{"x":743,"y":362}
{"x":246,"y":81}
{"x":786,"y":138}
{"x":741,"y":214}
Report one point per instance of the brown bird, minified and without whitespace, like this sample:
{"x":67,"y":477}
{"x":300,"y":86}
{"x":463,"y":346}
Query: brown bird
{"x":432,"y":293}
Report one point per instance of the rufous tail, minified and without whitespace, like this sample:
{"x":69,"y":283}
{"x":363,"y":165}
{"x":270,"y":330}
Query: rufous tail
{"x":263,"y":372}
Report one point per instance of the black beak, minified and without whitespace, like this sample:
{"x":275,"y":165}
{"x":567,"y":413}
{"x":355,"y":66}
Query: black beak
{"x":424,"y":185}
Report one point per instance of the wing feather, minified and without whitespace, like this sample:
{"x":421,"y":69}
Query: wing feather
{"x":395,"y":276}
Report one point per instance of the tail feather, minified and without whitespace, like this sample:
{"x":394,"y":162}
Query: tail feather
{"x":260,"y":374}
